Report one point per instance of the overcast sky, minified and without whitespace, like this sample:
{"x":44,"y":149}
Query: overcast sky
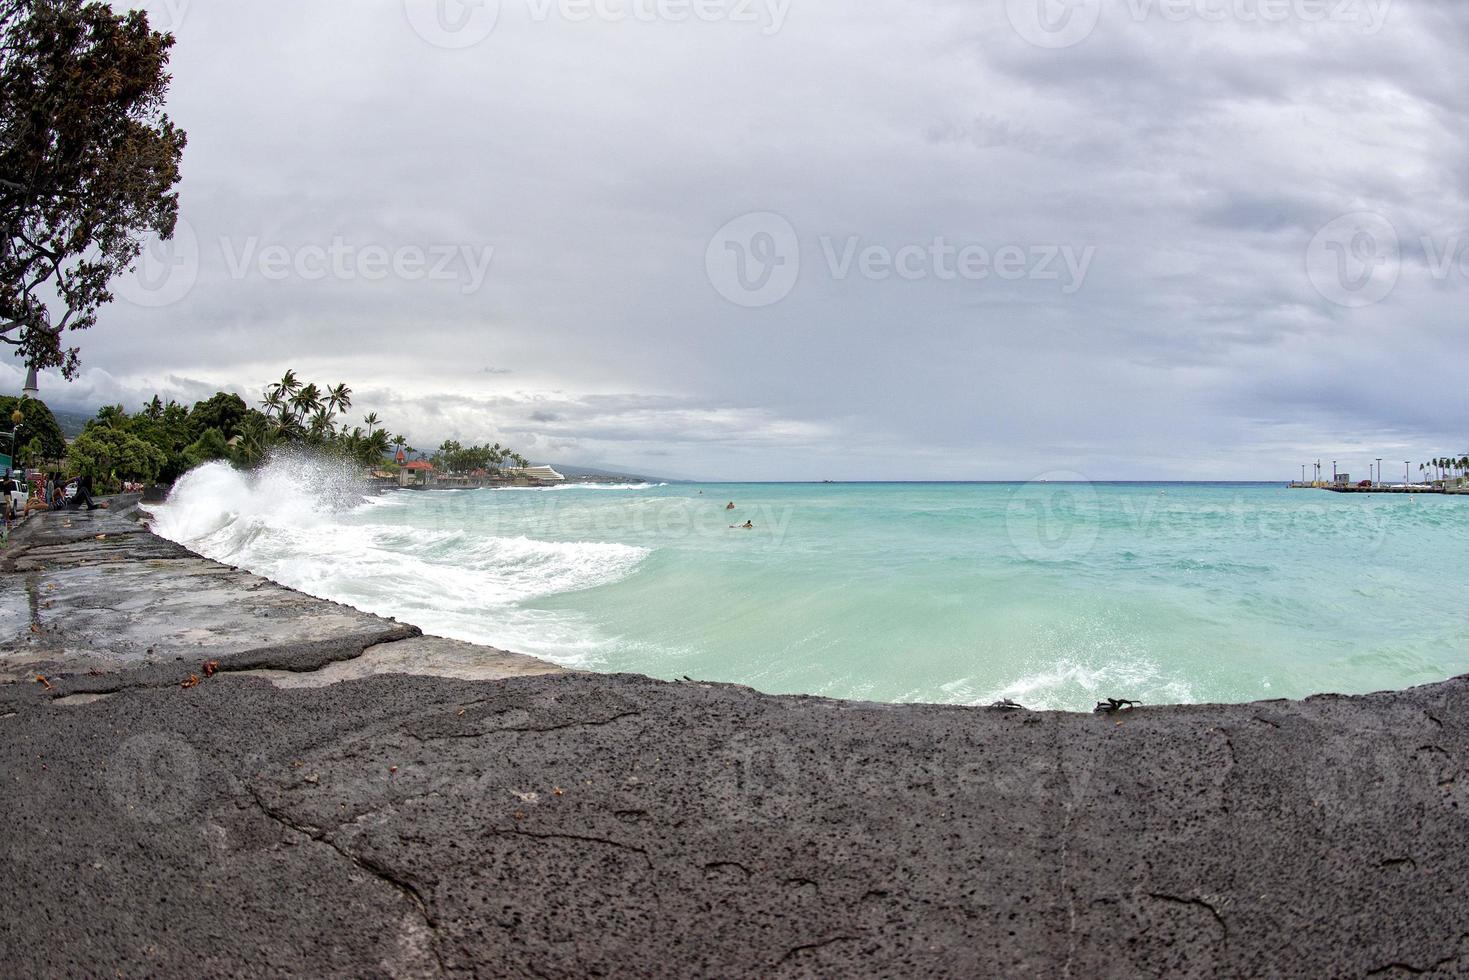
{"x":806,"y":239}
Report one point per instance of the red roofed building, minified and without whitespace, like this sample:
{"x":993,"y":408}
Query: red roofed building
{"x":419,"y":472}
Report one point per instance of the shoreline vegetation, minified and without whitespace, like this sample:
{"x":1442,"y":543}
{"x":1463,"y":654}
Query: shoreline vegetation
{"x":158,"y":444}
{"x":552,"y":822}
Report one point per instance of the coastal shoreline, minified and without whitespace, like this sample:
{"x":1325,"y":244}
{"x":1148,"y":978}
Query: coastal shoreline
{"x":540,"y":821}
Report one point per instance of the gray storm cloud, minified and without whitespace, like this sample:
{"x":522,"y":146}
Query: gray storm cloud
{"x":518,"y":238}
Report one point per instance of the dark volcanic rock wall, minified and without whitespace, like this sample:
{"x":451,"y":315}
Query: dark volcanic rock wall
{"x":573,"y":825}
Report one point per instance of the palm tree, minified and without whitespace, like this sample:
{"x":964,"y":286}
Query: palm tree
{"x":377,"y":445}
{"x":372,"y":422}
{"x":254,"y":438}
{"x":287,"y":426}
{"x":321,"y":424}
{"x":338,"y":398}
{"x":306,"y":400}
{"x":288,"y":383}
{"x":274,"y":401}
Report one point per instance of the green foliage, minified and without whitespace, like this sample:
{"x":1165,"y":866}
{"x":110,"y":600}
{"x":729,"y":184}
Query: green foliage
{"x":40,"y":436}
{"x":454,"y":458}
{"x":109,"y":456}
{"x":225,"y":412}
{"x":292,"y":413}
{"x":88,"y":163}
{"x":209,"y":447}
{"x":297,"y":413}
{"x":179,"y":439}
{"x":165,"y":427}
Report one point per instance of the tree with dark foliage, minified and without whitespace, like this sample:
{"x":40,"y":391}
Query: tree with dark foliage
{"x":88,"y":163}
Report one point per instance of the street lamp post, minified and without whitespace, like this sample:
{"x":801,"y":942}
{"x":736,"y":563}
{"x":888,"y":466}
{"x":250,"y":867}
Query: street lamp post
{"x":16,"y":418}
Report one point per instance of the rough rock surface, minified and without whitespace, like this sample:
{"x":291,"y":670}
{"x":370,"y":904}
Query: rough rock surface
{"x":570,"y":825}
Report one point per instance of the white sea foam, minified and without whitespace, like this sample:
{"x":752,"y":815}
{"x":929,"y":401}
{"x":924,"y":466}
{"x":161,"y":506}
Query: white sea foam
{"x":586,"y":486}
{"x":1072,"y":685}
{"x":303,"y":523}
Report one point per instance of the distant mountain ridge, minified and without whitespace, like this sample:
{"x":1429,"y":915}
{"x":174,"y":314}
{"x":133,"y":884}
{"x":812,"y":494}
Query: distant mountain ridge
{"x":72,"y":422}
{"x":587,"y":472}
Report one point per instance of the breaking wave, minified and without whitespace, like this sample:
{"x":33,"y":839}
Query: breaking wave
{"x":310,"y":524}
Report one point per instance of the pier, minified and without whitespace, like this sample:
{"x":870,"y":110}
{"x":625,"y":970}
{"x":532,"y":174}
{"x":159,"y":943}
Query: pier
{"x":1412,"y":488}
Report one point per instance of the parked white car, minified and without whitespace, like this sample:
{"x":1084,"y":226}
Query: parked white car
{"x":18,"y":498}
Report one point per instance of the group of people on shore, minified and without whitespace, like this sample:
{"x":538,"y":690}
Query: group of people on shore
{"x":47,"y":494}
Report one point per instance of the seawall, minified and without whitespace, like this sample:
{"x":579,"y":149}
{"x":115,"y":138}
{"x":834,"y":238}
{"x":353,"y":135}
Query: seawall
{"x":522,"y":820}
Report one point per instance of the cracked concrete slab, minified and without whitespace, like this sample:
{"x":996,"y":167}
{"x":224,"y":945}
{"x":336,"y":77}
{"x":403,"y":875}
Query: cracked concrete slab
{"x":95,"y":591}
{"x":428,"y":655}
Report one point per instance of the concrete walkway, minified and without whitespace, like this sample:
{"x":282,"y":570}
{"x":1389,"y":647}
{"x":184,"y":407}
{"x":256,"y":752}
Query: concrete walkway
{"x":564,"y":825}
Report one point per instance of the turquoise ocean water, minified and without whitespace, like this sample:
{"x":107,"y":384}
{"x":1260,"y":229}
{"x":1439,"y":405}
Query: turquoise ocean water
{"x":1054,"y":594}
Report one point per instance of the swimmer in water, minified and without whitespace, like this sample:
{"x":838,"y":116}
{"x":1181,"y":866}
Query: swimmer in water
{"x":747,"y":526}
{"x":729,"y":506}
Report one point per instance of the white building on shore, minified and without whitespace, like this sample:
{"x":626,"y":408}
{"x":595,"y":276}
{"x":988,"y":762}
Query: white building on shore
{"x":544,"y":474}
